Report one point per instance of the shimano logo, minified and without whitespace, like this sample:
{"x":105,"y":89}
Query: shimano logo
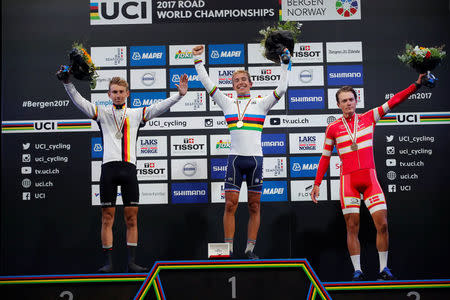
{"x":190,"y":193}
{"x":346,"y":75}
{"x":273,"y":144}
{"x":306,"y":99}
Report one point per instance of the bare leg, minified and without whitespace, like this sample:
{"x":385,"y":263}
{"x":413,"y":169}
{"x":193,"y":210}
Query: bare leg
{"x":254,"y":205}
{"x":231,"y":204}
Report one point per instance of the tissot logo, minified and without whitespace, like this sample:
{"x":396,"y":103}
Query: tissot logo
{"x":114,"y":12}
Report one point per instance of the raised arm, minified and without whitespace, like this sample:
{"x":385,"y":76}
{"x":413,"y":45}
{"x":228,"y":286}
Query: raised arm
{"x":159,"y":108}
{"x":214,"y":92}
{"x":276,"y":95}
{"x":323,"y":163}
{"x":398,"y":98}
{"x":84,"y":105}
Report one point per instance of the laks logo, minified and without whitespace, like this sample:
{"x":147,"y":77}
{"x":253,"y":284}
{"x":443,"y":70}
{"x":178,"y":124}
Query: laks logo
{"x":109,"y":12}
{"x":152,"y":146}
{"x":226,"y":54}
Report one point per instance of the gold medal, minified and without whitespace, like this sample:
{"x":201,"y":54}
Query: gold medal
{"x":119,"y":135}
{"x":354,"y":146}
{"x":240,"y":123}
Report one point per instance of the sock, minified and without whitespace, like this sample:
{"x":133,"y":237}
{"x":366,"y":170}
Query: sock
{"x":131,"y":247}
{"x":356,"y":262}
{"x":230,"y":241}
{"x":107,"y":252}
{"x":383,"y":259}
{"x":250,"y":245}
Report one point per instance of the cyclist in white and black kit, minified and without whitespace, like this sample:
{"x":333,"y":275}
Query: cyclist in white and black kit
{"x":119,"y":126}
{"x":245,"y":118}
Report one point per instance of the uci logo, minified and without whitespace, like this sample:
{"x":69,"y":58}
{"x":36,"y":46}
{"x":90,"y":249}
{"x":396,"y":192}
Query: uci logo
{"x":107,"y":12}
{"x":44,"y":125}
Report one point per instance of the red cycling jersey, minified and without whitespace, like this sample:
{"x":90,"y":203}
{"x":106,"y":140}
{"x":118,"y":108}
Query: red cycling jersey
{"x":362,"y":157}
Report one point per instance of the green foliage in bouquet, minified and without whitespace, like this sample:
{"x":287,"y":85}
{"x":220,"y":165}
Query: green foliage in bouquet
{"x":292,"y":26}
{"x":87,"y":68}
{"x":422,"y":59}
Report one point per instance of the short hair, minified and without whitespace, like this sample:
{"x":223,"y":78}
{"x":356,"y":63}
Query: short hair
{"x":346,"y":88}
{"x":118,"y":81}
{"x":242,"y":71}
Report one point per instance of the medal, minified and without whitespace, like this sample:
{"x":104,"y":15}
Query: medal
{"x":119,"y":133}
{"x":240,"y":123}
{"x":353,"y":137}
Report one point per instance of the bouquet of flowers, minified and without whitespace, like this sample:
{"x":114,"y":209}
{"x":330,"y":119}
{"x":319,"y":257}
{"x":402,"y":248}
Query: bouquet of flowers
{"x":81,"y":66}
{"x":278,"y":37}
{"x":423,"y":60}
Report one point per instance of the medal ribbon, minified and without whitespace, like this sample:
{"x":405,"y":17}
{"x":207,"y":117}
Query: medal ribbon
{"x":119,"y":129}
{"x":239,"y":111}
{"x":355,"y":125}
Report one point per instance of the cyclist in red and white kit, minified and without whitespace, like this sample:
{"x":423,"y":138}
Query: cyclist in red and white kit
{"x":119,"y":126}
{"x":358,"y":176}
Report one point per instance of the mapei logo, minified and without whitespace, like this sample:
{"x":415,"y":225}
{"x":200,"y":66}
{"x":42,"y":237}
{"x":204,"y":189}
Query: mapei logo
{"x":146,"y":98}
{"x":226,"y":54}
{"x":345,"y":75}
{"x":115,"y":12}
{"x":304,"y":166}
{"x":274,"y":191}
{"x":175,"y":75}
{"x":148,"y":56}
{"x":96,"y":147}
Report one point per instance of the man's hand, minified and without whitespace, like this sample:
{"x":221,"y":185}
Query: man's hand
{"x":63,"y":74}
{"x":419,"y":80}
{"x":183,"y":86}
{"x":197,"y":50}
{"x":315,"y":193}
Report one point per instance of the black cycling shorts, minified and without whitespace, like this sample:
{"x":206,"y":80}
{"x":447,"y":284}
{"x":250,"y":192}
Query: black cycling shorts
{"x":117,"y":173}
